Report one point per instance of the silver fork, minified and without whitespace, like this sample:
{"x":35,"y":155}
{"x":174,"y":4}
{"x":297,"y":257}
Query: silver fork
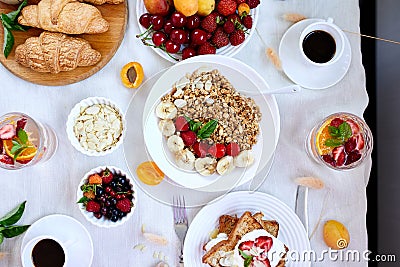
{"x":180,"y":221}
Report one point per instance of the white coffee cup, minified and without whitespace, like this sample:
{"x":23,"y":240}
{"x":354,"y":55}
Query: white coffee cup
{"x":333,"y":30}
{"x":26,"y":255}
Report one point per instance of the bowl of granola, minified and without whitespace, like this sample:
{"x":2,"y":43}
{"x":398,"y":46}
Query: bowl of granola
{"x":202,"y":128}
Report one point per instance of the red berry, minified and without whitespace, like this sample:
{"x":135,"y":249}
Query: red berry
{"x":193,"y":22}
{"x":8,"y":131}
{"x":264,"y":242}
{"x":234,"y":18}
{"x":336,"y":122}
{"x":247,"y":21}
{"x":240,"y":1}
{"x":107,"y":177}
{"x":159,"y":38}
{"x":112,"y":193}
{"x":354,"y":126}
{"x":178,"y":19}
{"x":217,"y":150}
{"x":108,"y":189}
{"x":350,"y":144}
{"x":179,"y":36}
{"x":21,"y":124}
{"x":232,"y":149}
{"x":200,"y":149}
{"x":226,"y":7}
{"x":189,"y":138}
{"x":181,"y":124}
{"x":172,"y":47}
{"x":124,"y":205}
{"x":209,"y":23}
{"x":353,"y":157}
{"x":188,"y":52}
{"x":360,"y":142}
{"x":168,"y":27}
{"x":1,"y":146}
{"x":329,"y":159}
{"x":92,"y":206}
{"x":339,"y":156}
{"x":206,"y":49}
{"x":157,"y":22}
{"x":253,"y":3}
{"x":198,"y":37}
{"x":246,"y":245}
{"x":6,"y":159}
{"x":237,"y":37}
{"x":229,"y":26}
{"x":220,"y":38}
{"x":144,"y":20}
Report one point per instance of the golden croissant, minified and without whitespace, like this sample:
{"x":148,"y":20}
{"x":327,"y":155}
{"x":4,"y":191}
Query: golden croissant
{"x":100,"y":2}
{"x":65,"y":16}
{"x":55,"y":52}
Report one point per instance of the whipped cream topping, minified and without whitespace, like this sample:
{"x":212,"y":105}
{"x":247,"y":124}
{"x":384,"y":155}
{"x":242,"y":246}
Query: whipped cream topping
{"x":220,"y":237}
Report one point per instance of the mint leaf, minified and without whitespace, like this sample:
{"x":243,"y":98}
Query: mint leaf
{"x":345,"y":130}
{"x":18,"y":152}
{"x":333,"y":142}
{"x":83,"y":200}
{"x":334,"y":131}
{"x":23,"y":137}
{"x":15,"y":148}
{"x":247,"y":258}
{"x":207,"y":130}
{"x":196,"y":126}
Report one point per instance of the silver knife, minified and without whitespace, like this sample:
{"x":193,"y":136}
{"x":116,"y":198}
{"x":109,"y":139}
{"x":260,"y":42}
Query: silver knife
{"x":301,"y":208}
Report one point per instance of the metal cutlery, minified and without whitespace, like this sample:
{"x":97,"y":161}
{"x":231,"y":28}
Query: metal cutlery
{"x":180,"y":222}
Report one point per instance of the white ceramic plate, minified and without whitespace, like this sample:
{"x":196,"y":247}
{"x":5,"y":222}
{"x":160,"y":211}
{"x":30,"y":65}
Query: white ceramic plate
{"x":303,"y":73}
{"x":291,"y":231}
{"x":238,"y":77}
{"x":228,"y":50}
{"x":63,"y":227}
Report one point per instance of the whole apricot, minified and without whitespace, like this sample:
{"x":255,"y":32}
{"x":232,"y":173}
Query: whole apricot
{"x":336,"y":235}
{"x":187,"y":7}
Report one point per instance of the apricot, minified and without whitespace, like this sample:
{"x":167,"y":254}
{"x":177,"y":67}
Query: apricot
{"x":149,"y":173}
{"x":205,"y":7}
{"x":336,"y":235}
{"x":187,"y":7}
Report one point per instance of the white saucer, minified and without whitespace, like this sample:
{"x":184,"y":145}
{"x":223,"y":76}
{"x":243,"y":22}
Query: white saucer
{"x":303,"y":73}
{"x":59,"y":226}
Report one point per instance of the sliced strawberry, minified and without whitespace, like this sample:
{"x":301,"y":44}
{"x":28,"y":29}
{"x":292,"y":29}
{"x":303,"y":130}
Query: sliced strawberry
{"x":352,"y":157}
{"x":339,"y":156}
{"x":246,"y":245}
{"x":350,"y":144}
{"x":329,"y":159}
{"x":189,"y":138}
{"x":1,"y":146}
{"x":7,"y":131}
{"x":354,"y":126}
{"x":264,"y":242}
{"x":232,"y":149}
{"x":6,"y":159}
{"x":217,"y":151}
{"x":336,"y":122}
{"x":360,"y":142}
{"x":21,"y":124}
{"x":181,"y":124}
{"x":266,"y":262}
{"x":200,"y":149}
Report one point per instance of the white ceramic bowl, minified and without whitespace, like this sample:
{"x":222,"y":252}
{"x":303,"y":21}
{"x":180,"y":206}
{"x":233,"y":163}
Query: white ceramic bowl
{"x":75,"y":113}
{"x":104,"y":222}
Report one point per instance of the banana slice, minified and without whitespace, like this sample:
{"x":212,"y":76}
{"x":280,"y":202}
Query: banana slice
{"x":185,"y":159}
{"x":225,"y":165}
{"x":244,"y":159}
{"x":175,"y":143}
{"x":205,"y":166}
{"x":167,"y":127}
{"x":166,"y":110}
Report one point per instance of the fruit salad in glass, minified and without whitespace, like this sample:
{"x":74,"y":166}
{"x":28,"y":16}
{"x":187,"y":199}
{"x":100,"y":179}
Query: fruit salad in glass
{"x":341,"y":141}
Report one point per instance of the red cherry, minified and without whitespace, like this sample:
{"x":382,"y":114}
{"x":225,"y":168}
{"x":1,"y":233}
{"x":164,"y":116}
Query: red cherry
{"x":157,"y":22}
{"x":232,"y":149}
{"x":172,"y":47}
{"x":193,"y":22}
{"x":159,"y":38}
{"x":198,"y":37}
{"x":179,"y":36}
{"x":217,"y":150}
{"x":144,"y":20}
{"x":188,"y":52}
{"x":168,"y":27}
{"x":178,"y":19}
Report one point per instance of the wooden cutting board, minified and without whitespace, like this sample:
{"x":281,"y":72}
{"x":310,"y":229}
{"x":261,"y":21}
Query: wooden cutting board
{"x":106,"y":43}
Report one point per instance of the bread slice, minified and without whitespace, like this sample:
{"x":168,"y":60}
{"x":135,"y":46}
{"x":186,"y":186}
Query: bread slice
{"x":227,"y":223}
{"x":271,"y":227}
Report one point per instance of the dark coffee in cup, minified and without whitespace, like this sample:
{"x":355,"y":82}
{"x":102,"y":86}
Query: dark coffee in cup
{"x":319,"y":46}
{"x":48,"y":253}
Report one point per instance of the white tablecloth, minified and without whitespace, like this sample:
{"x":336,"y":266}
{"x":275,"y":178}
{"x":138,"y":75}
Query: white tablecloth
{"x":50,"y":188}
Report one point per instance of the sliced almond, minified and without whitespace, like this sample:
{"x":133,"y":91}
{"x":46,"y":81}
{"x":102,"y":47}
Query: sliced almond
{"x":311,"y":182}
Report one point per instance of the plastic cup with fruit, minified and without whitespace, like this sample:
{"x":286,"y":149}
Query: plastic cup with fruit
{"x":341,"y":141}
{"x":106,"y":196}
{"x":24,"y":141}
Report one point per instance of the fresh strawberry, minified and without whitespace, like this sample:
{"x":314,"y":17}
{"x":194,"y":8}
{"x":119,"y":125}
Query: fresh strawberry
{"x":181,"y":124}
{"x":247,"y":21}
{"x":209,"y":23}
{"x":234,"y":18}
{"x":92,"y":206}
{"x":21,"y":124}
{"x":246,"y":245}
{"x":350,"y":144}
{"x":8,"y":131}
{"x":232,"y":149}
{"x":217,"y":151}
{"x":354,"y":126}
{"x":352,"y":157}
{"x":336,"y":122}
{"x":237,"y":37}
{"x":124,"y":205}
{"x":189,"y":138}
{"x":229,"y":26}
{"x":107,"y":176}
{"x":360,"y":142}
{"x":6,"y":159}
{"x":339,"y":156}
{"x":220,"y":38}
{"x":264,"y":242}
{"x":266,"y":262}
{"x":206,"y":49}
{"x":226,"y":7}
{"x":329,"y":159}
{"x":253,"y":3}
{"x":200,"y":149}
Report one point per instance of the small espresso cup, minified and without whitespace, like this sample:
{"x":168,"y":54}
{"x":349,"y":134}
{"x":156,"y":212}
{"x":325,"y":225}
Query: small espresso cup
{"x":43,"y":251}
{"x":322,"y":43}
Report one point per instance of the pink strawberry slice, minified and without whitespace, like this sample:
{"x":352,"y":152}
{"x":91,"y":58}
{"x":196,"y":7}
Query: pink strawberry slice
{"x":181,"y":124}
{"x":339,"y":156}
{"x":266,"y":262}
{"x":21,"y":124}
{"x":1,"y":146}
{"x":264,"y":242}
{"x":354,"y":126}
{"x":352,"y":157}
{"x":329,"y":159}
{"x":6,"y":159}
{"x":189,"y":138}
{"x":246,"y":245}
{"x":336,"y":122}
{"x":350,"y":144}
{"x":360,"y":142}
{"x":7,"y":131}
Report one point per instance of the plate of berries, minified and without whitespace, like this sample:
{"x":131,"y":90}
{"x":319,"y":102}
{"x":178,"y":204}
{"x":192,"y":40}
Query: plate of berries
{"x":106,"y":196}
{"x":175,"y":33}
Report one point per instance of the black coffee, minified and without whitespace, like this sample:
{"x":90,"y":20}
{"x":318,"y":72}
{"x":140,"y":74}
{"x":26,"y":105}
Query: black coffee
{"x":319,"y":46}
{"x":48,"y":253}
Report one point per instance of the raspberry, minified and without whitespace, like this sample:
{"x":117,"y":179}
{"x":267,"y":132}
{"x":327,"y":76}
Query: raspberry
{"x":253,"y":3}
{"x":229,"y":27}
{"x":206,"y":48}
{"x":237,"y":37}
{"x":247,"y":22}
{"x":226,"y":7}
{"x":93,"y":206}
{"x":106,"y":176}
{"x":209,"y":23}
{"x":124,"y":205}
{"x":220,"y":38}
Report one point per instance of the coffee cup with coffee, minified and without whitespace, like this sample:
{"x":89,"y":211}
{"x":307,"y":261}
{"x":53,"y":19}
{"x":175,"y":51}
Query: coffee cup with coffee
{"x":322,"y":43}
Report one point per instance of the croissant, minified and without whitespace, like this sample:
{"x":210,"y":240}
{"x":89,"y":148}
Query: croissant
{"x":100,"y":2}
{"x":65,"y":16}
{"x":55,"y":52}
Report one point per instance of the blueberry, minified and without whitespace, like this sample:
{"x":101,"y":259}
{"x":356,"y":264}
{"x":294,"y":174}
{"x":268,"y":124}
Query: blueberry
{"x":114,"y":218}
{"x":113,"y":201}
{"x":122,"y":180}
{"x":99,"y":190}
{"x":113,"y":184}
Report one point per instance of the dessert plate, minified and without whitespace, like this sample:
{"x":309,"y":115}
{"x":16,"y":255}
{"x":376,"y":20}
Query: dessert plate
{"x":303,"y":73}
{"x":64,"y":227}
{"x":291,"y":230}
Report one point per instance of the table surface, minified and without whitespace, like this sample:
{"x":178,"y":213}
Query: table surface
{"x":50,"y":188}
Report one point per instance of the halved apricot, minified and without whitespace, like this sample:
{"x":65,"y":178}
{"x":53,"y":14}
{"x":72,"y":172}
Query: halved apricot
{"x":149,"y":173}
{"x":132,"y":75}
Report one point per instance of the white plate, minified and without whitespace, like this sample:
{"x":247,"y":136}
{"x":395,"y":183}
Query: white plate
{"x":64,"y":227}
{"x":291,"y":231}
{"x":238,"y":77}
{"x":303,"y":73}
{"x":228,"y":50}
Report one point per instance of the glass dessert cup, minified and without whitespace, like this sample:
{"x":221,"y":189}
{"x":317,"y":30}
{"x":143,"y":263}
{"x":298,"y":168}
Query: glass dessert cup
{"x":24,"y":141}
{"x":340,"y":141}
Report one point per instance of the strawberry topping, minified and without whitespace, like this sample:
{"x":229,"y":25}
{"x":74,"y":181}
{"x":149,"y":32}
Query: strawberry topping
{"x":246,"y":245}
{"x":264,"y":242}
{"x":200,"y":149}
{"x":339,"y":155}
{"x":232,"y":149}
{"x":354,"y":127}
{"x":181,"y":124}
{"x":7,"y":131}
{"x":336,"y":122}
{"x":6,"y":159}
{"x":217,"y":150}
{"x":189,"y":138}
